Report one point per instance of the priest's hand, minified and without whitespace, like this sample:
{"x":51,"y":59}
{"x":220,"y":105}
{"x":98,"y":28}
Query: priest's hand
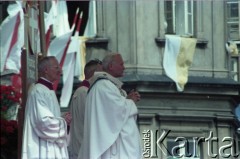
{"x":134,"y":95}
{"x":68,"y":117}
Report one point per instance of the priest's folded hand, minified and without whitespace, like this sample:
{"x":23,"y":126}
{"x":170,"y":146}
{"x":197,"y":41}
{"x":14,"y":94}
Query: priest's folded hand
{"x":134,"y":95}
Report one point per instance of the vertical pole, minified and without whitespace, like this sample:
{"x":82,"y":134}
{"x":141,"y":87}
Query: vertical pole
{"x":22,"y":107}
{"x":21,"y":110}
{"x":42,"y":28}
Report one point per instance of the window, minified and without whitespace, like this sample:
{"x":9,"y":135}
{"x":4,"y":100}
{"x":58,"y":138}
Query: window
{"x":184,"y":148}
{"x":180,"y":17}
{"x":232,"y":13}
{"x":233,"y":34}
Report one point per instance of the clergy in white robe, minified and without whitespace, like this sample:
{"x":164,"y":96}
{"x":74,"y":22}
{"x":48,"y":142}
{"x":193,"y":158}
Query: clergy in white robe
{"x":45,"y":131}
{"x":77,"y":109}
{"x":110,"y":128}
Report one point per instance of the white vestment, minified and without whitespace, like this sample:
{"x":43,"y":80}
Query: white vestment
{"x":110,"y":129}
{"x":77,"y":109}
{"x":45,"y":131}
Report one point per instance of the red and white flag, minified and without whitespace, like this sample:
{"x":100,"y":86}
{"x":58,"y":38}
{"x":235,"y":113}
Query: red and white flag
{"x":68,"y":77}
{"x":67,"y":51}
{"x":58,"y":48}
{"x":11,"y":38}
{"x":49,"y":20}
{"x":75,"y":47}
{"x":71,"y":64}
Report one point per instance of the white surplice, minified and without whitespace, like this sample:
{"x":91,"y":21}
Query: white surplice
{"x":77,"y":109}
{"x":110,"y":128}
{"x":45,"y":131}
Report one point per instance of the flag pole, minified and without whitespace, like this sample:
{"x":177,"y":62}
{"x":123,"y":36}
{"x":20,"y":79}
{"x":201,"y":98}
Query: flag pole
{"x":75,"y":18}
{"x":78,"y":25}
{"x":55,"y":85}
{"x":42,"y":28}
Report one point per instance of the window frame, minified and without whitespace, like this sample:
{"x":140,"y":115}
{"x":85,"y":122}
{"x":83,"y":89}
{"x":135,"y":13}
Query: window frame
{"x":172,"y":17}
{"x":234,"y":19}
{"x":231,"y":20}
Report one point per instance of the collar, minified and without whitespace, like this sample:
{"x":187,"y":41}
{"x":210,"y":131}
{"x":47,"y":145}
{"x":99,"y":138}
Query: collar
{"x":85,"y":83}
{"x":45,"y":82}
{"x":97,"y":75}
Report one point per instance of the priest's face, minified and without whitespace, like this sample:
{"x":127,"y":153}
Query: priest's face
{"x":117,"y":66}
{"x":54,"y":71}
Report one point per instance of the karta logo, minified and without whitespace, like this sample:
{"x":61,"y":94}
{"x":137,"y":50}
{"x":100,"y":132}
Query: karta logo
{"x":179,"y":147}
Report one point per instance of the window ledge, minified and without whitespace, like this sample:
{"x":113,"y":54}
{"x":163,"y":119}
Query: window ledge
{"x":97,"y":42}
{"x":235,"y":56}
{"x":201,"y":43}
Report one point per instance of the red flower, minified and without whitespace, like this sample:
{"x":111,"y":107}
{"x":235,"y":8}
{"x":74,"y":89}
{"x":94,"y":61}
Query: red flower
{"x":9,"y":97}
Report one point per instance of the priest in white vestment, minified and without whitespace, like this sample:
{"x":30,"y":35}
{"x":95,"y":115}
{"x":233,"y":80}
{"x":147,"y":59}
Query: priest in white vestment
{"x":45,"y":131}
{"x":110,"y":128}
{"x":77,"y":108}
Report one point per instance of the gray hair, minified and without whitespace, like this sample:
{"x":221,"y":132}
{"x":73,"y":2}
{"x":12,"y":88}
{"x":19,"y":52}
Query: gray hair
{"x":45,"y":62}
{"x":108,"y":59}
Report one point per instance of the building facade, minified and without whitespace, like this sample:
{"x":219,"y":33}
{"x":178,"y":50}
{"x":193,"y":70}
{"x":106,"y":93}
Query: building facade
{"x":200,"y":121}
